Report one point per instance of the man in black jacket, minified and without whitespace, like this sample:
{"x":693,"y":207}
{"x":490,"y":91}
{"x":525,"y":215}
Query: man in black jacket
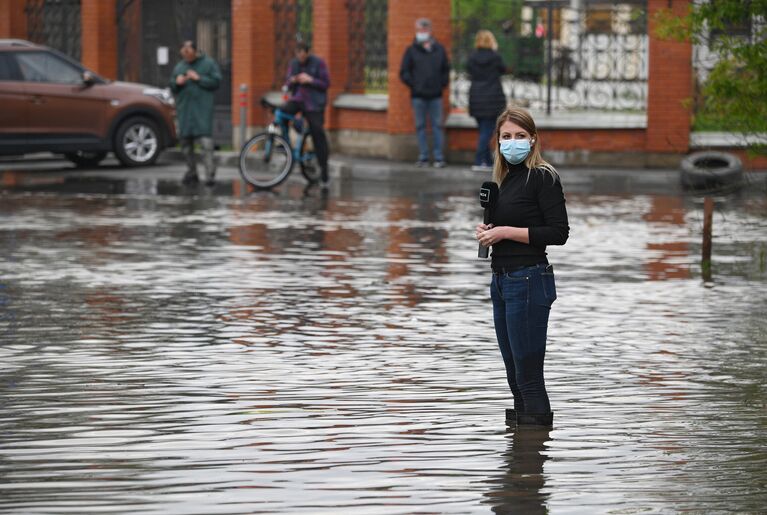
{"x":426,"y":71}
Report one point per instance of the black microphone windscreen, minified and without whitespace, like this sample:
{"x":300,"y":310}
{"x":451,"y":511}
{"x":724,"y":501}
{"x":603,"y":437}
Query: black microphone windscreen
{"x":488,"y":193}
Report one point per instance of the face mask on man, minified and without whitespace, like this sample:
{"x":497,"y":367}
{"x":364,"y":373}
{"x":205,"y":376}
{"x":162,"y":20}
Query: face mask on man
{"x":515,"y":150}
{"x":422,"y":37}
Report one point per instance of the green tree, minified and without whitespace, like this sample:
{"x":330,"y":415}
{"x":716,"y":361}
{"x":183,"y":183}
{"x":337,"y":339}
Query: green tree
{"x":734,"y":96}
{"x":502,"y":17}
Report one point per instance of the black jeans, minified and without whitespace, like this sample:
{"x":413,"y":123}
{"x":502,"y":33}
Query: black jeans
{"x":316,"y":121}
{"x":522,"y":300}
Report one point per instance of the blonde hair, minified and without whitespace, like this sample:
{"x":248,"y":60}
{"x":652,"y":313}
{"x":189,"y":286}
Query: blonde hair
{"x":534,"y":160}
{"x":485,"y":39}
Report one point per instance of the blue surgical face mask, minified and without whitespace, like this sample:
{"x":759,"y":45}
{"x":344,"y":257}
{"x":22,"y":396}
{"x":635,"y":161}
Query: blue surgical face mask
{"x":515,"y":150}
{"x":422,"y":37}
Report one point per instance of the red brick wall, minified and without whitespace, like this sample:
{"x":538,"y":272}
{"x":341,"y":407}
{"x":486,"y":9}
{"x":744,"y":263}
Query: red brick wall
{"x":669,"y":85}
{"x":606,"y":140}
{"x":361,"y":120}
{"x":402,"y":16}
{"x":13,"y":22}
{"x":609,"y":140}
{"x":750,"y":162}
{"x":252,"y":56}
{"x":330,"y":20}
{"x":99,"y":36}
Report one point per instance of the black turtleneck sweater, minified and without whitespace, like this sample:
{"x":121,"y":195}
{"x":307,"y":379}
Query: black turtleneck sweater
{"x":534,"y":200}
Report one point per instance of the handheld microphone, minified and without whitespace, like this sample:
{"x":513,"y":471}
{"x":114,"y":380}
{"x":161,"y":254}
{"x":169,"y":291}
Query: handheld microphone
{"x":488,"y":195}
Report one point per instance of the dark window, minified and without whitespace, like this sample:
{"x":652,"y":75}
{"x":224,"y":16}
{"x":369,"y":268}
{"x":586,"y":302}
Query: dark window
{"x":45,"y":67}
{"x":8,"y":70}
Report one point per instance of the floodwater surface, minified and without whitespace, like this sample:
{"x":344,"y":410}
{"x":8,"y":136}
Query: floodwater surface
{"x":229,"y":353}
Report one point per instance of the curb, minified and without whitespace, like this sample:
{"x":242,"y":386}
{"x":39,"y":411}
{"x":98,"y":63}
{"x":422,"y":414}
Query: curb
{"x":348,"y":168}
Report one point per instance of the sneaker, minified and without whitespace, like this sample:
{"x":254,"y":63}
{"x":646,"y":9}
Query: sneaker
{"x":422,"y":164}
{"x":439,"y":164}
{"x":324,"y":184}
{"x":210,"y":182}
{"x":190,"y":178}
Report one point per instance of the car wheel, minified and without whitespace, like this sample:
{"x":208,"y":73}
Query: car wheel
{"x":137,"y":142}
{"x":85,"y":159}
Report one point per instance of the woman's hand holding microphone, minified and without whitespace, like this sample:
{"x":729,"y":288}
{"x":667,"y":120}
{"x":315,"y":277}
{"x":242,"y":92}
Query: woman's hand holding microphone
{"x":488,"y":235}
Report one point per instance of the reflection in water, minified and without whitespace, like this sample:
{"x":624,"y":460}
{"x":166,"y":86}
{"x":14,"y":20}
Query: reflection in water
{"x":519,"y":488}
{"x":174,"y":351}
{"x":670,"y":261}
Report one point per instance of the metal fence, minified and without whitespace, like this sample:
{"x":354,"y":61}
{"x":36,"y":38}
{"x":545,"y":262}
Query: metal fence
{"x":367,"y":46}
{"x":293,"y":23}
{"x":576,"y":55}
{"x":55,"y":23}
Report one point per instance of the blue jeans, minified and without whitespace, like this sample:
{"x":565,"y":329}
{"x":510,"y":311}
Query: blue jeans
{"x":521,"y":303}
{"x":486,"y":127}
{"x":433,"y":109}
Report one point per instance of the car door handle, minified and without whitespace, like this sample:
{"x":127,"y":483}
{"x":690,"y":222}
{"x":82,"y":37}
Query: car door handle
{"x":37,"y":100}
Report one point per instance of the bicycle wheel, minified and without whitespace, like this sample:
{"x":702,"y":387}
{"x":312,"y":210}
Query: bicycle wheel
{"x":310,"y":167}
{"x":266,"y":160}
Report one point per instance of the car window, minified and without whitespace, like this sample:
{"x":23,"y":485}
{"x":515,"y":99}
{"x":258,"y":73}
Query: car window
{"x":45,"y":67}
{"x":8,"y":68}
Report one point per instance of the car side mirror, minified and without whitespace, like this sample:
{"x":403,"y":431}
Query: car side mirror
{"x":88,"y":78}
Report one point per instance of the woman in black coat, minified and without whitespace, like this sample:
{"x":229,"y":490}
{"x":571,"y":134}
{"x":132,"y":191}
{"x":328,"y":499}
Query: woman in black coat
{"x":486,"y":97}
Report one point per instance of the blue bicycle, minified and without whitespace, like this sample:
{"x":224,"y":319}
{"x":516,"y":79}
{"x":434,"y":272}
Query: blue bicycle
{"x":267,"y":158}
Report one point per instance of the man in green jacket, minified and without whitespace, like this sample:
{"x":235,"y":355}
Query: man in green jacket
{"x":194,"y":82}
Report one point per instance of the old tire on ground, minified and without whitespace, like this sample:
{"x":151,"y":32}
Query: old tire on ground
{"x":85,"y":159}
{"x":137,"y":142}
{"x":710,"y":170}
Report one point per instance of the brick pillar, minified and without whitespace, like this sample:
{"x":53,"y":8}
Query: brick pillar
{"x":99,"y":36}
{"x":402,"y":17}
{"x":330,"y":41}
{"x":253,"y":50}
{"x":13,"y":19}
{"x":669,"y":85}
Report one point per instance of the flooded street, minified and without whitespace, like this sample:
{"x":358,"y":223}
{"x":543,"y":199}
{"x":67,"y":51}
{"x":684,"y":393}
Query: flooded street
{"x":167,"y":351}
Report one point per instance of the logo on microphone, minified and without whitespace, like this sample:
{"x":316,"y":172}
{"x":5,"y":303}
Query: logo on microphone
{"x":488,"y":194}
{"x":484,"y":196}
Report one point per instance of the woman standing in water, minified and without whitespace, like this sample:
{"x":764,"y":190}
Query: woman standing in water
{"x":529,"y":215}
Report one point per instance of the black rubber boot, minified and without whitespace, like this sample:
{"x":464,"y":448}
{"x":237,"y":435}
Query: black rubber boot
{"x":535,"y":419}
{"x":511,"y":417}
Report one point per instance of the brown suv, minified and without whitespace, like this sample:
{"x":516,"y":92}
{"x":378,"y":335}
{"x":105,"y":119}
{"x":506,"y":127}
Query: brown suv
{"x":51,"y":103}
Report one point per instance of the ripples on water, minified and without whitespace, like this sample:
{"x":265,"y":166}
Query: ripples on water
{"x":230,"y":354}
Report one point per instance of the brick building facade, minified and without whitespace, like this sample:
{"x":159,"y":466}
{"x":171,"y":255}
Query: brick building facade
{"x":382,"y":125}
